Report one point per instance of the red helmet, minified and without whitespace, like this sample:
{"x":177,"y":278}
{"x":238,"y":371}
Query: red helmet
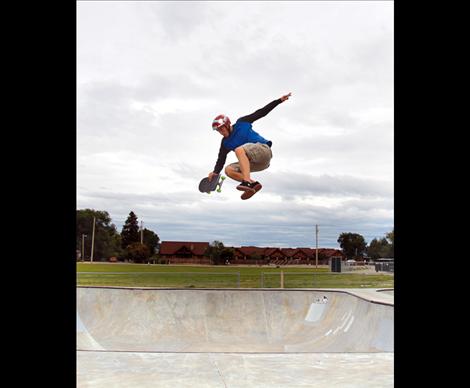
{"x":219,"y":121}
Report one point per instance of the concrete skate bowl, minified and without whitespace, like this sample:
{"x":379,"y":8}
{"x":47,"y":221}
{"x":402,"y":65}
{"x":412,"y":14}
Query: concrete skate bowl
{"x":231,"y":321}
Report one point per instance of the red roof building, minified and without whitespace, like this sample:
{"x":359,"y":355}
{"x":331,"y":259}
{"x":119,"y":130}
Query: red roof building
{"x":193,"y":252}
{"x":249,"y":253}
{"x":173,"y":249}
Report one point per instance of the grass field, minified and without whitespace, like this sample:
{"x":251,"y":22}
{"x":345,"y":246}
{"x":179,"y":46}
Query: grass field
{"x":133,"y":275}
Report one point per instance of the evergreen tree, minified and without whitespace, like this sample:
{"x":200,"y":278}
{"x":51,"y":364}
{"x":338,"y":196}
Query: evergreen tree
{"x":130,"y":231}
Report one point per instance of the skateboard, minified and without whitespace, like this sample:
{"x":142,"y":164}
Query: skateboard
{"x":215,"y":185}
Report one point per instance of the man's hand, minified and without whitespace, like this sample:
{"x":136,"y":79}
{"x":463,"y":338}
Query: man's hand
{"x":211,"y":175}
{"x":286,"y":97}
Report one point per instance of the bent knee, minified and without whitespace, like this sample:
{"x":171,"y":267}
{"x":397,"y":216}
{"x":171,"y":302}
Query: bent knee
{"x":229,"y":170}
{"x":239,"y":150}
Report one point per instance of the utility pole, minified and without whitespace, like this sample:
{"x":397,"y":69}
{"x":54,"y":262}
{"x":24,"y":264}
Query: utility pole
{"x":141,"y":232}
{"x":92,"y":240}
{"x":83,"y":246}
{"x":316,"y":239}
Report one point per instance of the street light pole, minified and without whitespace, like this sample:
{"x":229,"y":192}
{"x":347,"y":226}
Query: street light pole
{"x":92,"y":240}
{"x":316,"y":239}
{"x":83,"y":246}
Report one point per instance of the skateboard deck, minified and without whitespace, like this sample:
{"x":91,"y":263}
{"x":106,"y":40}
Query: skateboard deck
{"x":214,"y":185}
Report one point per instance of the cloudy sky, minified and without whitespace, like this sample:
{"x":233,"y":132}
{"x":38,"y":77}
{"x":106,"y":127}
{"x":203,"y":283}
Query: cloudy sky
{"x":151,"y":76}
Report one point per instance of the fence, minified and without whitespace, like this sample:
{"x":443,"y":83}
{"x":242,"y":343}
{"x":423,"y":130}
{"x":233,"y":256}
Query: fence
{"x":161,"y":279}
{"x":234,"y":280}
{"x":323,"y":280}
{"x":388,"y":266}
{"x":351,"y":267}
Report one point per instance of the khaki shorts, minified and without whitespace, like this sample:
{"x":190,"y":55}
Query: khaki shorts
{"x":258,"y":154}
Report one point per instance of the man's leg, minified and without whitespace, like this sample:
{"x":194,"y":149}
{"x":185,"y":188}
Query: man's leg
{"x":244,"y":164}
{"x":233,"y":173}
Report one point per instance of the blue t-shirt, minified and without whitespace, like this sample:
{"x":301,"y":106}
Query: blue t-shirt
{"x":242,"y":133}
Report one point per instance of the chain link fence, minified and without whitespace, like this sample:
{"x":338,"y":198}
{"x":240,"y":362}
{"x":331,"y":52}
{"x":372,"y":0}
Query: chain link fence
{"x":324,"y":280}
{"x":280,"y":279}
{"x":160,"y":279}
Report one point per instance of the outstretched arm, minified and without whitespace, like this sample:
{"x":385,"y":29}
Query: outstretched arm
{"x":219,"y":165}
{"x":265,"y":110}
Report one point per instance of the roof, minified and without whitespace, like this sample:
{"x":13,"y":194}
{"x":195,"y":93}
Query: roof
{"x":289,"y":252}
{"x":271,"y":251}
{"x":199,"y":248}
{"x":249,"y":251}
{"x":308,"y":251}
{"x":171,"y":247}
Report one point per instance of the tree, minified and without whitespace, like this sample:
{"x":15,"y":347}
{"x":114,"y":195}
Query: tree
{"x":352,"y":244}
{"x":391,"y":238}
{"x":117,"y":246}
{"x":383,"y":247}
{"x":107,"y":239}
{"x":378,"y":248}
{"x":137,"y":252}
{"x":152,"y":240}
{"x":227,"y":254}
{"x":218,"y":253}
{"x":130,"y":231}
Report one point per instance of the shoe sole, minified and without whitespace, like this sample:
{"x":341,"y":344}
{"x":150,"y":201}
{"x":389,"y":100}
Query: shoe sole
{"x":244,"y":188}
{"x":249,"y":193}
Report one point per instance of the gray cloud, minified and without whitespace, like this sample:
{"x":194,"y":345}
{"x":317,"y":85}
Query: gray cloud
{"x":177,"y":19}
{"x":297,"y":184}
{"x":155,"y":87}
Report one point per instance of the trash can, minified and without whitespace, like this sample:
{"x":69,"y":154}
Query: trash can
{"x":336,"y":264}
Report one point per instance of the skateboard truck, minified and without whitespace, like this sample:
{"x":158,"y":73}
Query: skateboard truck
{"x":214,"y":185}
{"x":219,"y":185}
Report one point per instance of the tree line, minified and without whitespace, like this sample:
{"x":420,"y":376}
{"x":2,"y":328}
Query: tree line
{"x":132,"y":243}
{"x":138,"y":245}
{"x":354,"y":246}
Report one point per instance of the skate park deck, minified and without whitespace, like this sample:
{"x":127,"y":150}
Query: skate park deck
{"x":234,"y":337}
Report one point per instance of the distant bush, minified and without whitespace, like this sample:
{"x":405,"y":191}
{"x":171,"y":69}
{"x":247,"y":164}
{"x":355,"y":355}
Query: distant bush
{"x":137,"y":252}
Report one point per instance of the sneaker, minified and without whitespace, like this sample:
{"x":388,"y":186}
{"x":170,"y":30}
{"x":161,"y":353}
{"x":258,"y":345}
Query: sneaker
{"x":255,"y":187}
{"x":245,"y":186}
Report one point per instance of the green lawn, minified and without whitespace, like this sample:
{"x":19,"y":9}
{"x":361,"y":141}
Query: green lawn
{"x":133,"y":275}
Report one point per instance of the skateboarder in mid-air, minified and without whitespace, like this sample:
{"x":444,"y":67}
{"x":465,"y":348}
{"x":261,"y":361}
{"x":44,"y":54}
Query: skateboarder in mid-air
{"x":252,"y":150}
